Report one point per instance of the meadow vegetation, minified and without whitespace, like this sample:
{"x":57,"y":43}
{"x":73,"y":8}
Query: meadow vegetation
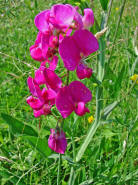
{"x":111,"y":156}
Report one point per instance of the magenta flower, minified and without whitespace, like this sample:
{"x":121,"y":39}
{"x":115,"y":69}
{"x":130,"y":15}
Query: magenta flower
{"x":41,"y":21}
{"x":73,"y":98}
{"x":59,"y":18}
{"x":39,"y":50}
{"x":46,"y":76}
{"x":83,"y":71}
{"x":43,"y":100}
{"x":88,"y":18}
{"x":73,"y":49}
{"x":57,"y":141}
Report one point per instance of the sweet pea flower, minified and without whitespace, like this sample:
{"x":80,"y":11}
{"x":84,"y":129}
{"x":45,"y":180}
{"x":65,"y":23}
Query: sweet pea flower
{"x":73,"y":98}
{"x":73,"y":50}
{"x":39,"y":50}
{"x":58,"y":18}
{"x":57,"y":141}
{"x":61,"y":16}
{"x":43,"y":100}
{"x":48,"y":77}
{"x":88,"y":18}
{"x":83,"y":71}
{"x":41,"y":21}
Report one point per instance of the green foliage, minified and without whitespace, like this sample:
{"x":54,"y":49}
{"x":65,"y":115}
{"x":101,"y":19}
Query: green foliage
{"x":104,"y":4}
{"x":108,"y":154}
{"x":40,"y":144}
{"x":18,"y":127}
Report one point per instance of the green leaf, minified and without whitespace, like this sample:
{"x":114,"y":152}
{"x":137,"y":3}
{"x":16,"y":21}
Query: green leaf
{"x":108,"y":133}
{"x":18,"y":127}
{"x":87,"y":182}
{"x":101,"y":59}
{"x":104,"y":4}
{"x":109,"y":109}
{"x":118,"y":82}
{"x":11,"y":178}
{"x":40,"y":144}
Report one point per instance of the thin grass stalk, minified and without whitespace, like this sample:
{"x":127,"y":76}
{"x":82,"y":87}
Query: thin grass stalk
{"x":72,"y":176}
{"x":116,"y":31}
{"x":72,"y":172}
{"x":59,"y":167}
{"x":108,"y":14}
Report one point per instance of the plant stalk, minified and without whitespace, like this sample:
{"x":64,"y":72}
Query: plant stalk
{"x":59,"y":167}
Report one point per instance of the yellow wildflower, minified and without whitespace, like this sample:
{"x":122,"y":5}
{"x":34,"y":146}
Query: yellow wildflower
{"x":116,"y":8}
{"x":90,"y":119}
{"x":134,"y":78}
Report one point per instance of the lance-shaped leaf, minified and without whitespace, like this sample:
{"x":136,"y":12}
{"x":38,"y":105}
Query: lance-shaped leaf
{"x":40,"y":144}
{"x":17,"y":127}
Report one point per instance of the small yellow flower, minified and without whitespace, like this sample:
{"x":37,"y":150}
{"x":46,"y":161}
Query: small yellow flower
{"x":116,"y":8}
{"x":134,"y":78}
{"x":90,"y":119}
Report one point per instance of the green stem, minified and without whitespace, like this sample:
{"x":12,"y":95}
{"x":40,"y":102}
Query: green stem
{"x":94,"y":126}
{"x":59,"y":167}
{"x":72,"y":177}
{"x":109,"y":12}
{"x":72,"y":172}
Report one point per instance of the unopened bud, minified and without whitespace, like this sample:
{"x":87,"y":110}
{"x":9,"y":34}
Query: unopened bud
{"x":100,"y":33}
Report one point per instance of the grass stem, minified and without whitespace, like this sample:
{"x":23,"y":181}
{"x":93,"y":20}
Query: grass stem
{"x":59,"y":167}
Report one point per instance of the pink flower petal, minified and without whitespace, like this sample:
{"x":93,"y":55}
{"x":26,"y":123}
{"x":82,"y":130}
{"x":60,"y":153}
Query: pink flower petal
{"x":88,"y":18}
{"x":38,"y":38}
{"x":78,"y":20}
{"x":86,"y":41}
{"x":53,"y":63}
{"x":81,"y":109}
{"x":39,"y":76}
{"x":53,"y":41}
{"x":52,"y":79}
{"x":48,"y":94}
{"x":69,"y":53}
{"x":79,"y":92}
{"x":45,"y":44}
{"x":34,"y":87}
{"x":45,"y":110}
{"x":41,"y":21}
{"x":36,"y":53}
{"x":34,"y":102}
{"x":64,"y":102}
{"x":83,"y":71}
{"x":57,"y":141}
{"x":67,"y":32}
{"x":62,"y":15}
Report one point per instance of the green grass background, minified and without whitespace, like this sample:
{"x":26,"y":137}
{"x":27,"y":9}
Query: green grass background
{"x":111,"y":157}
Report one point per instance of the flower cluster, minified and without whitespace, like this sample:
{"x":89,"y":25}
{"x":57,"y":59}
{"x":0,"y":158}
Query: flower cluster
{"x":62,"y":32}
